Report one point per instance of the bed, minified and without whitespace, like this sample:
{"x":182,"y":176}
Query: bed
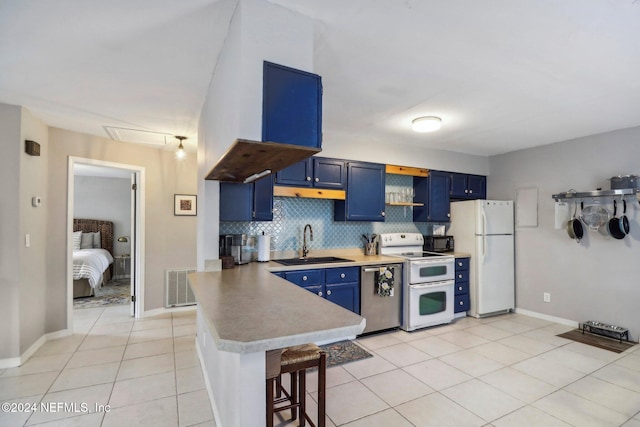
{"x":92,"y":255}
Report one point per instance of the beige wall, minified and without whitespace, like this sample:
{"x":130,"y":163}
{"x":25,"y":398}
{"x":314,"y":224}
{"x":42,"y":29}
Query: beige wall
{"x":9,"y":231}
{"x":170,"y":241}
{"x":34,"y":286}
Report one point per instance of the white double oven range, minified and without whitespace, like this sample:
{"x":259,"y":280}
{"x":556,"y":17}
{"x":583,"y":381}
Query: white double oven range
{"x":428,"y":280}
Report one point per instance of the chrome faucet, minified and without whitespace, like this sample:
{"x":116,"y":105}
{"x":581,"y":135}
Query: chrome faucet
{"x":305,"y":250}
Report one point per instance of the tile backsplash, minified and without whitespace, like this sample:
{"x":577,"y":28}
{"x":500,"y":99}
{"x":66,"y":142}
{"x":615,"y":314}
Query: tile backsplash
{"x":292,"y":214}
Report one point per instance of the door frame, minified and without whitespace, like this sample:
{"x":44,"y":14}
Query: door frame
{"x":138,"y":238}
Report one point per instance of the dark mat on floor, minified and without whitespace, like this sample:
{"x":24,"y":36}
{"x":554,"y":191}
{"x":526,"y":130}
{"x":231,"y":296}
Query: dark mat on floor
{"x":610,"y":344}
{"x":344,"y":352}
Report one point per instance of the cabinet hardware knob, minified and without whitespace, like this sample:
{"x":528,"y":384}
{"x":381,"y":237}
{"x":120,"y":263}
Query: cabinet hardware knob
{"x":459,"y":264}
{"x":459,"y":288}
{"x":304,"y":278}
{"x":317,"y":179}
{"x":448,"y":215}
{"x":382,"y":213}
{"x":466,"y":191}
{"x":461,"y":303}
{"x":308,"y":178}
{"x":319,"y":293}
{"x":470,"y":191}
{"x":328,"y":292}
{"x":342,"y":276}
{"x":459,"y":276}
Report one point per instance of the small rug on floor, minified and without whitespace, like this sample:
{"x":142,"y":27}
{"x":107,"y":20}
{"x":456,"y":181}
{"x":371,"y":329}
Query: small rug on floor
{"x":595,"y":340}
{"x":113,"y":293}
{"x":344,"y":352}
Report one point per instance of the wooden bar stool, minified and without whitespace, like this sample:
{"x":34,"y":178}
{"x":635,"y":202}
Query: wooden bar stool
{"x":295,"y":361}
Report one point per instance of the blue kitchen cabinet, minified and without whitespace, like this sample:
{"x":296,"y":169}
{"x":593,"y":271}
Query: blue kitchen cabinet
{"x":263,"y":199}
{"x":343,"y":287}
{"x":339,"y":285}
{"x":297,"y":175}
{"x":462,"y":302}
{"x":318,"y":172}
{"x":305,"y":278}
{"x":291,"y":106}
{"x":236,"y":201}
{"x":433,"y":192}
{"x":247,"y":202}
{"x":329,"y":173}
{"x":466,"y":187}
{"x":365,"y":193}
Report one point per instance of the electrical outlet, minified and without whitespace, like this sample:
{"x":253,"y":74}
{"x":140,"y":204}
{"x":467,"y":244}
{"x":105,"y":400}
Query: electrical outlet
{"x":546,"y":297}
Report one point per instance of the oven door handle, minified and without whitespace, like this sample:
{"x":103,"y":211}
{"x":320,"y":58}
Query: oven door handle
{"x":432,"y":284}
{"x":438,"y":260}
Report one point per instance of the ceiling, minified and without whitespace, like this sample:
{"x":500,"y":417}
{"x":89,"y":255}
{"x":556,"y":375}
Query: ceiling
{"x":503,"y":75}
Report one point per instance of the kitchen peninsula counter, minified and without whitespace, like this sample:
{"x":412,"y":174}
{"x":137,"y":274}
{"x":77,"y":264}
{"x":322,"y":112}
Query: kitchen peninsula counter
{"x":249,"y":309}
{"x":244,"y":312}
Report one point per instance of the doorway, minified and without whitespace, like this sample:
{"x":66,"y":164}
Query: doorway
{"x":115,"y":193}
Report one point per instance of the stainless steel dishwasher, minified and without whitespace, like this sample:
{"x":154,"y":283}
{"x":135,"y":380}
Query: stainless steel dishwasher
{"x":381,"y":312}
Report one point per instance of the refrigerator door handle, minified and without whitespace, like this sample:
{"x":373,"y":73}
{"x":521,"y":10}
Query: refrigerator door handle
{"x":484,"y":232}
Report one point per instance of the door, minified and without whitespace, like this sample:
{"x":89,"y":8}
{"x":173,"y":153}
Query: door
{"x":439,"y":209}
{"x":133,"y":241}
{"x":328,"y":173}
{"x":495,"y":278}
{"x":494,"y":216}
{"x":298,"y":174}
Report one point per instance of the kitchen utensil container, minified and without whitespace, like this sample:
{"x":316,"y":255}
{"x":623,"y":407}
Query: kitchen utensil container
{"x":370,"y":249}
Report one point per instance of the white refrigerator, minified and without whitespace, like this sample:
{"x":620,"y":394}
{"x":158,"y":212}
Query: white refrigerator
{"x":484,"y":229}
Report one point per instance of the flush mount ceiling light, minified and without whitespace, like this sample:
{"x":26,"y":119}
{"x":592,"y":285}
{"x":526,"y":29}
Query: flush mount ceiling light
{"x":180,"y":154}
{"x":426,"y":124}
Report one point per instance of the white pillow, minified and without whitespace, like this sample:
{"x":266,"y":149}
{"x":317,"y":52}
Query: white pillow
{"x":86,"y":241}
{"x":77,"y":237}
{"x":97,"y":241}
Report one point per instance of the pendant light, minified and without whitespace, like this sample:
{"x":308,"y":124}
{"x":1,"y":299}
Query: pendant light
{"x":180,"y":154}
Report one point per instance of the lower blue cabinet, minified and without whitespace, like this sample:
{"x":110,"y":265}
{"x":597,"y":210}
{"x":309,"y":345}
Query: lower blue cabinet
{"x":339,"y":285}
{"x":462,"y":300}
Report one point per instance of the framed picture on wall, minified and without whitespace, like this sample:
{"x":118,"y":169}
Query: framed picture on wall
{"x":185,"y":204}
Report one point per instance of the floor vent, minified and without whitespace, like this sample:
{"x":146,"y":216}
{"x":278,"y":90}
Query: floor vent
{"x":177,"y":290}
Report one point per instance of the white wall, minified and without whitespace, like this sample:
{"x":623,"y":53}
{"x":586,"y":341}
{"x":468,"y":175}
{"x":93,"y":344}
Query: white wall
{"x":598,"y":278}
{"x":258,"y":31}
{"x":108,"y":199}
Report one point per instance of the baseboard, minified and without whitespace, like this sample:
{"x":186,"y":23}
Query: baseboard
{"x":543,"y":316}
{"x":163,"y":310}
{"x":207,"y":384}
{"x":14,"y":362}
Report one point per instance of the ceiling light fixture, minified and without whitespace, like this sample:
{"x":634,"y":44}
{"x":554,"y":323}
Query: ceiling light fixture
{"x":180,"y":154}
{"x":426,"y":124}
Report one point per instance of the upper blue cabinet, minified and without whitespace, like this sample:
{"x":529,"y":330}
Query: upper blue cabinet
{"x":433,"y":192}
{"x":365,"y":193}
{"x":466,"y":186}
{"x":291,"y":106}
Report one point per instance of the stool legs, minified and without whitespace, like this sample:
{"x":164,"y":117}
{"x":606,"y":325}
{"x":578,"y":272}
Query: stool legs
{"x":270,"y":397}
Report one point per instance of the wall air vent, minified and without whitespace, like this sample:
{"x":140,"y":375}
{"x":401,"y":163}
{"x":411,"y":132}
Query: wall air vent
{"x":138,"y":136}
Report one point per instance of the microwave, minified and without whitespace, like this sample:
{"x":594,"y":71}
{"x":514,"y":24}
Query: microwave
{"x":438,"y":243}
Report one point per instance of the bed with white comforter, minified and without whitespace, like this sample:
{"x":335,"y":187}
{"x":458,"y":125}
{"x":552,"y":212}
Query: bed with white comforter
{"x":90,"y":264}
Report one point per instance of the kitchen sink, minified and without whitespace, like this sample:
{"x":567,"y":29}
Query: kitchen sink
{"x":311,"y":260}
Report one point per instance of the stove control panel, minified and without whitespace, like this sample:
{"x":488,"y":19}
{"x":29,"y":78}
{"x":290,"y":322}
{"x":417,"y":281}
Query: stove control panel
{"x":401,"y":239}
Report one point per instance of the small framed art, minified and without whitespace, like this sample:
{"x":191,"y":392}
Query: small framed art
{"x":185,"y":204}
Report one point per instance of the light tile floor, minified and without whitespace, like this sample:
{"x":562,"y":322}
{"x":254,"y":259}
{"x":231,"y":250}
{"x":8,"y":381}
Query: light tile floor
{"x":509,"y":370}
{"x":147,"y":372}
{"x":504,"y":371}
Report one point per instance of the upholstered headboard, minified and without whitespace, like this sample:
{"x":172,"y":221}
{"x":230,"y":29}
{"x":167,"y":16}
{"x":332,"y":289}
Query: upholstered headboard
{"x":92,"y":225}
